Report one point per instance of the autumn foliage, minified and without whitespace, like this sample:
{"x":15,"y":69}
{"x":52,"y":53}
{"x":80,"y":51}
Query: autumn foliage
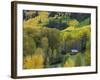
{"x":56,"y":39}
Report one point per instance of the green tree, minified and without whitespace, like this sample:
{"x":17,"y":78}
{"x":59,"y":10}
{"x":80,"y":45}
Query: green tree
{"x":54,"y":53}
{"x":53,"y":38}
{"x":78,"y":60}
{"x":44,"y":42}
{"x":73,"y":23}
{"x":58,"y":20}
{"x":87,"y":58}
{"x":29,"y":45}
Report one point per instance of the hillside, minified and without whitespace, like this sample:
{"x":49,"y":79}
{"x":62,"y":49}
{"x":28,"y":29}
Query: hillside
{"x":56,"y":39}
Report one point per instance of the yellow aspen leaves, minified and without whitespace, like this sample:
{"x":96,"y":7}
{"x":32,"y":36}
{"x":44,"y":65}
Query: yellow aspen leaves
{"x":34,"y":61}
{"x":69,"y":63}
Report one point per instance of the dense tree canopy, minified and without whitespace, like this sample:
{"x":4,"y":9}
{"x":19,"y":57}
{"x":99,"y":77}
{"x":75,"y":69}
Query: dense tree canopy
{"x":53,"y":39}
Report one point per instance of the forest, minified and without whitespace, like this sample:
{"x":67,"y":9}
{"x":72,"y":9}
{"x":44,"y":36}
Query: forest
{"x":56,"y":39}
